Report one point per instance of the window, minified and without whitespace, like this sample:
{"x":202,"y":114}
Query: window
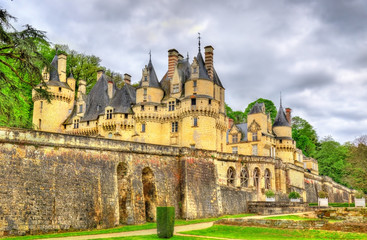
{"x":126,"y":116}
{"x":174,"y":127}
{"x":143,"y":127}
{"x":193,"y":101}
{"x":254,"y":136}
{"x":176,"y":88}
{"x":267,"y":179}
{"x":280,"y":141}
{"x":234,"y":138}
{"x":235,"y":150}
{"x":192,"y":146}
{"x":110,"y":135}
{"x":87,"y":123}
{"x":109,"y":114}
{"x":244,"y":177}
{"x":195,"y":70}
{"x":210,"y":102}
{"x":60,"y":89}
{"x":254,"y":149}
{"x":195,"y":83}
{"x":256,"y":177}
{"x":142,"y":108}
{"x":231,"y":174}
{"x":171,"y":106}
{"x":81,"y":108}
{"x":41,"y":107}
{"x":76,"y":123}
{"x":145,"y":91}
{"x":145,"y":78}
{"x":195,"y":123}
{"x":39,"y":123}
{"x":155,"y":108}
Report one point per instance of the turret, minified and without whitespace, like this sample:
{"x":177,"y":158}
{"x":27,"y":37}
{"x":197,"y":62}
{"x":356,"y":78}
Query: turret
{"x":49,"y":116}
{"x":281,"y":126}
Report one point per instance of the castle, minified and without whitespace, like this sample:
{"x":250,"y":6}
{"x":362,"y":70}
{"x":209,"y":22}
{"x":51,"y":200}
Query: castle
{"x":186,"y":108}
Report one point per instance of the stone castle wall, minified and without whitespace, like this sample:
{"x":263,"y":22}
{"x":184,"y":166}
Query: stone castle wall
{"x":51,"y":181}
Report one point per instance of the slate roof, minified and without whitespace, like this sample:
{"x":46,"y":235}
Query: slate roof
{"x":153,"y":80}
{"x":123,"y":98}
{"x":97,"y":99}
{"x":216,"y":78}
{"x":54,"y":75}
{"x":243,"y":129}
{"x":281,"y":119}
{"x":257,"y":108}
{"x":203,"y":72}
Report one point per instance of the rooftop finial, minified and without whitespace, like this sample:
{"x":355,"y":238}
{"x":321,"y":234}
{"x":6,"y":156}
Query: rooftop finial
{"x":150,"y":55}
{"x":199,"y":41}
{"x":187,"y":55}
{"x":56,"y":49}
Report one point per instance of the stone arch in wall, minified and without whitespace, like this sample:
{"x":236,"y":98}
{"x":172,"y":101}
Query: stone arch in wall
{"x":123,"y":190}
{"x":231,"y":176}
{"x":150,"y":194}
{"x":267,"y":178}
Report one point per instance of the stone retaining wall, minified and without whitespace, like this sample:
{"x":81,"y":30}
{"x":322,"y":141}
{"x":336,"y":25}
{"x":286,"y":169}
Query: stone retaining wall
{"x":268,"y":208}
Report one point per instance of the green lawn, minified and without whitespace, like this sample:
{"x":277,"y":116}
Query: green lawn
{"x":335,"y":204}
{"x":125,"y":228}
{"x":272,"y":233}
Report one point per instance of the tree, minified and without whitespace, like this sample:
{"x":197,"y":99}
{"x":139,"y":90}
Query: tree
{"x":269,"y":108}
{"x":20,"y":64}
{"x":237,"y":116}
{"x":356,"y":170}
{"x":304,"y":135}
{"x":331,"y":158}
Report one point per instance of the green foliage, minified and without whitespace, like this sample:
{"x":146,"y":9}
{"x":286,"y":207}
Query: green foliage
{"x":356,"y":162}
{"x":331,"y":158}
{"x":322,"y":194}
{"x":359,"y":194}
{"x":20,"y":64}
{"x":258,"y":233}
{"x":165,"y":221}
{"x":269,"y":108}
{"x":269,"y":194}
{"x":305,"y":136}
{"x":294,"y":195}
{"x":237,"y":116}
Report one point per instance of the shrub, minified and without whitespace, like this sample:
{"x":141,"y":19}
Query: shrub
{"x":165,"y":221}
{"x":323,"y":194}
{"x":359,"y":194}
{"x":294,"y":195}
{"x":269,"y":194}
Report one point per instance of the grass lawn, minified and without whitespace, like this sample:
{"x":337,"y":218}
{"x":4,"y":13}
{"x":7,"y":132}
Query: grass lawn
{"x":335,"y":204}
{"x":272,"y":233}
{"x":125,"y":228}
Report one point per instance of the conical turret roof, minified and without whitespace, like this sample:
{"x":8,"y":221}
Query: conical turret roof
{"x":281,"y":119}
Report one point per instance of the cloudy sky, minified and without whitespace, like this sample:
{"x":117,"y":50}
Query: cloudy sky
{"x":314,"y":52}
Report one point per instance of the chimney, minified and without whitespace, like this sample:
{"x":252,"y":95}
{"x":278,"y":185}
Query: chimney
{"x":209,"y":60}
{"x":172,"y":61}
{"x":288,"y":112}
{"x":110,"y":89}
{"x":127,"y":78}
{"x":180,"y":57}
{"x":99,"y":73}
{"x":82,"y":87}
{"x":62,"y":67}
{"x":230,"y":122}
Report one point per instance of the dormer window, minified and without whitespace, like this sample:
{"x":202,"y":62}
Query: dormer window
{"x":76,"y":123}
{"x":145,"y":78}
{"x":195,"y":70}
{"x":109,"y":114}
{"x":254,"y":136}
{"x":176,"y":88}
{"x":80,"y":108}
{"x":171,"y":106}
{"x":234,"y":138}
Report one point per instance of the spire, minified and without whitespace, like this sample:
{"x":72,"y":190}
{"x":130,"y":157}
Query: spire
{"x":150,"y":55}
{"x":199,"y":41}
{"x":281,"y":118}
{"x":187,"y":55}
{"x":281,"y":100}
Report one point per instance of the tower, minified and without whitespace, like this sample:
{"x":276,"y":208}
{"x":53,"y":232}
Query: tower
{"x":49,"y":115}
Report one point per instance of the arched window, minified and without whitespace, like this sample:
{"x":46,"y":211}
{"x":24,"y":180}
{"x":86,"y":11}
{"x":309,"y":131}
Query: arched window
{"x":231,"y":174}
{"x":267,"y":177}
{"x":256,"y":177}
{"x":110,"y":135}
{"x":244,"y":177}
